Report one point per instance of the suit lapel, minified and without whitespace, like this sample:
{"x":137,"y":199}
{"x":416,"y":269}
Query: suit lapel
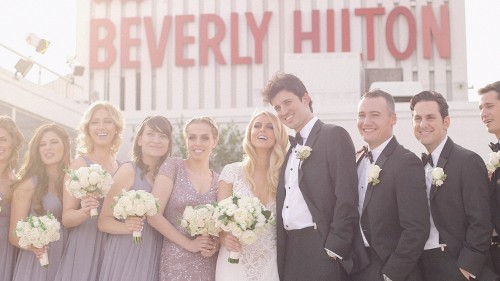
{"x":311,"y":139}
{"x":386,"y":153}
{"x":443,"y":158}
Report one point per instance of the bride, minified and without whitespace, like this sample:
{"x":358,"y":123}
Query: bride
{"x":257,"y":175}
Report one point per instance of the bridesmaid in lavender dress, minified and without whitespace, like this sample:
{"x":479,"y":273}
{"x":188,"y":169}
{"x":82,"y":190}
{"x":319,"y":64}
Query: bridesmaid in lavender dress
{"x":122,"y":259}
{"x":11,"y":141}
{"x":39,"y":191}
{"x":98,"y":141}
{"x":181,"y":183}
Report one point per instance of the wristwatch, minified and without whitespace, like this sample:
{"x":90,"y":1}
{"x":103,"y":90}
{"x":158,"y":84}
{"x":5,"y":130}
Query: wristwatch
{"x":386,"y":278}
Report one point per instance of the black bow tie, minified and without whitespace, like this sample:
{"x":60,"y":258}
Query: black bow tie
{"x":495,"y":147}
{"x":366,"y":153}
{"x":299,"y":139}
{"x":427,"y":158}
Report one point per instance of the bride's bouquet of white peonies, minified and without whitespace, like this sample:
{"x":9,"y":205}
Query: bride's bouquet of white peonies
{"x":135,"y":203}
{"x":92,"y":180}
{"x":199,"y":220}
{"x":244,"y":217}
{"x":38,"y":232}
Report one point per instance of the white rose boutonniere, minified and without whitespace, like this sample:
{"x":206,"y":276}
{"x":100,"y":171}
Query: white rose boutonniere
{"x":494,"y":161}
{"x":438,"y":176}
{"x":303,"y":152}
{"x":373,"y":174}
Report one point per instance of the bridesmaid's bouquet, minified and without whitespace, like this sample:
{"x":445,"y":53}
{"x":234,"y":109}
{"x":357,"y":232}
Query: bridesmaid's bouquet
{"x":38,"y":232}
{"x":135,"y":203}
{"x":244,"y":217}
{"x":91,"y":180}
{"x":199,"y":220}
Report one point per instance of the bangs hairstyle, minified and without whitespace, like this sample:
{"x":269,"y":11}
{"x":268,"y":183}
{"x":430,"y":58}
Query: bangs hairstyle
{"x":33,"y":165}
{"x":84,"y":142}
{"x":158,"y":124}
{"x":17,"y":141}
{"x":276,"y":157}
{"x":205,"y":120}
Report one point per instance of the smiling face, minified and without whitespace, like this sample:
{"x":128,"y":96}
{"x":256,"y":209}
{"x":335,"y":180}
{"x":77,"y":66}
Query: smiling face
{"x":489,"y":106}
{"x":291,"y":110}
{"x":262,"y":134}
{"x":154,"y":144}
{"x":375,"y":122}
{"x":102,"y":129}
{"x":429,"y":126}
{"x":51,"y":148}
{"x":200,"y":140}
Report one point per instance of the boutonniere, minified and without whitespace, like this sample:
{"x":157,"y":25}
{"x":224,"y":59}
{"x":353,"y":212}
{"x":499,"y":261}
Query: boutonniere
{"x":438,"y":176}
{"x":494,"y":161}
{"x":303,"y":152}
{"x":373,"y":174}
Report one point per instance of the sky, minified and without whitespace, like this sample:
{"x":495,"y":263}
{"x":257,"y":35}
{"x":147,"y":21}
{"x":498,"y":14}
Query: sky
{"x":55,"y":20}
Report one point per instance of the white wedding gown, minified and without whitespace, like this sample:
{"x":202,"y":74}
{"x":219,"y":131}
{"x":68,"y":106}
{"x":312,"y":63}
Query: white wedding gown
{"x":258,"y":260}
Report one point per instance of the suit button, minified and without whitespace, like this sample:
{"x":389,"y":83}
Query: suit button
{"x":291,"y":169}
{"x":287,"y":207}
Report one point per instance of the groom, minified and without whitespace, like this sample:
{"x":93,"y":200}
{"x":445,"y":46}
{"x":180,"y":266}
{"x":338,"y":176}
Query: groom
{"x":316,"y":202}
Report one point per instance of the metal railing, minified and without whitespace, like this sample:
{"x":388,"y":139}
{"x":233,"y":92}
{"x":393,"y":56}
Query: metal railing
{"x":45,"y":77}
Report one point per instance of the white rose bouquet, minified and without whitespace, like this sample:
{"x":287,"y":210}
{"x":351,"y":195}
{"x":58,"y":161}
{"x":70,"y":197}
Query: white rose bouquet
{"x":199,"y":220}
{"x":244,"y":217}
{"x":38,"y":232}
{"x":494,"y":161}
{"x":135,"y":203}
{"x":92,"y":180}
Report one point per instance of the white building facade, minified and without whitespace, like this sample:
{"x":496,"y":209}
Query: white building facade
{"x":190,"y":58}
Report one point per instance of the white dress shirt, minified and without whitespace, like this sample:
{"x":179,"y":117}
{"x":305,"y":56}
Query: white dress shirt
{"x":296,"y":214}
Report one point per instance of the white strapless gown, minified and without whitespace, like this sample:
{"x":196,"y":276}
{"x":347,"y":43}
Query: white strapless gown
{"x":258,"y":260}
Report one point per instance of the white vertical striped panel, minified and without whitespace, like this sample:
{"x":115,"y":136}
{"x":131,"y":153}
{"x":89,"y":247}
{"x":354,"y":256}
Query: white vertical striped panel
{"x":114,"y":13}
{"x":145,"y":69}
{"x":177,"y":73}
{"x":129,"y":9}
{"x":224,"y":80}
{"x":191,"y":97}
{"x":258,"y":79}
{"x":159,"y":75}
{"x":274,"y":46}
{"x":208,"y":81}
{"x":240,"y":72}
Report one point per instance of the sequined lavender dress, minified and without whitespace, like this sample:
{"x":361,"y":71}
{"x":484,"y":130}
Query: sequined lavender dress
{"x":8,"y":253}
{"x":83,"y":253}
{"x":123,"y":260}
{"x":176,"y":262}
{"x":28,"y":266}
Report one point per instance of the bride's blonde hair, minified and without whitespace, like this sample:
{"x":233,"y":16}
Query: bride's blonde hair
{"x":276,"y":157}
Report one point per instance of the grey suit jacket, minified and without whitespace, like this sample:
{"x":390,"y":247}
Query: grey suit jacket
{"x":328,"y":182}
{"x":460,"y":207}
{"x":395,"y":214}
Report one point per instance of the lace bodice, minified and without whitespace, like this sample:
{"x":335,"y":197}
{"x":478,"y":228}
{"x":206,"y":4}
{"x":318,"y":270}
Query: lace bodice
{"x":255,"y":257}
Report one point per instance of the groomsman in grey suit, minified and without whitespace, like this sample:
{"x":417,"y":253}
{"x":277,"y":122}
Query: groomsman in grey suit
{"x":489,"y":106}
{"x":316,"y":204}
{"x":457,"y":184}
{"x":392,"y":195}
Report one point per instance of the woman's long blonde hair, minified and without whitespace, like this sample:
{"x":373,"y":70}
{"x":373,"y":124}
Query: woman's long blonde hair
{"x":33,"y":165}
{"x":276,"y":158}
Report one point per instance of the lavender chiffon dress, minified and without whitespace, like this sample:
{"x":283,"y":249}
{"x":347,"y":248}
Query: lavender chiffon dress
{"x":8,"y":253}
{"x":27,"y":265}
{"x":124,"y":260}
